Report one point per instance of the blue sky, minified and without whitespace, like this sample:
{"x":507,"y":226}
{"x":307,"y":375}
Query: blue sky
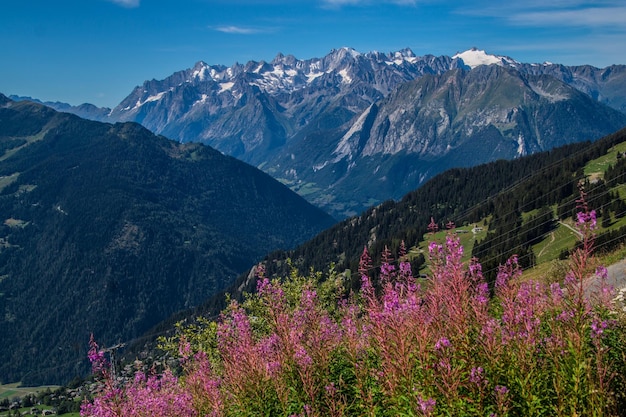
{"x":97,"y":51}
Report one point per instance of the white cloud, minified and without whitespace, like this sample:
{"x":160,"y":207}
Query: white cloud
{"x":240,"y":30}
{"x":588,"y":17}
{"x":340,"y":3}
{"x":126,"y":3}
{"x":563,"y":13}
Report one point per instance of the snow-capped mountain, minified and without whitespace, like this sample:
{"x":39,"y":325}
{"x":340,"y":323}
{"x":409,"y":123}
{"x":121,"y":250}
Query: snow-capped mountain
{"x":475,"y":57}
{"x":457,"y":119}
{"x":329,"y":126}
{"x":244,"y":110}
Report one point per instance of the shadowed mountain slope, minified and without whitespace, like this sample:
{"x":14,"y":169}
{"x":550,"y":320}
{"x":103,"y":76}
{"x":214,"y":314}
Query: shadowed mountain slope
{"x":110,"y":229}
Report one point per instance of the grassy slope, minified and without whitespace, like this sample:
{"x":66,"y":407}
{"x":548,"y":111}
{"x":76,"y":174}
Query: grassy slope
{"x":563,"y":237}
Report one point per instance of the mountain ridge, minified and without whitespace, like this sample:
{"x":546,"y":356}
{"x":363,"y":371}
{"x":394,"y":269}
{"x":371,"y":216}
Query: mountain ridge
{"x":109,"y":229}
{"x":269,"y":113}
{"x":436,"y":122}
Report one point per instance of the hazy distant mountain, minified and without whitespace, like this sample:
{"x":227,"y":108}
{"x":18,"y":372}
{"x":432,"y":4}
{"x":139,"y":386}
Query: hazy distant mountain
{"x":85,"y":110}
{"x":110,"y":229}
{"x":297,"y":119}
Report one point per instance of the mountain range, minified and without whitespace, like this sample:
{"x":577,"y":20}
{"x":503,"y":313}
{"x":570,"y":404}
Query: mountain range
{"x":110,"y":228}
{"x":352,"y":129}
{"x":107,"y":228}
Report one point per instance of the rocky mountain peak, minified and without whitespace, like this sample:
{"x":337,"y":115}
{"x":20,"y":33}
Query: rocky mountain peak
{"x":475,"y":57}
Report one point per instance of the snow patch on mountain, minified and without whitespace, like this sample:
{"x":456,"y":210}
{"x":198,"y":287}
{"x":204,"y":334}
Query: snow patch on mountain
{"x":200,"y":71}
{"x":155,"y":97}
{"x":312,"y":76}
{"x":475,"y":57}
{"x":319,"y":166}
{"x":202,"y":100}
{"x":226,"y":86}
{"x":400,"y":57}
{"x":353,"y":52}
{"x":345,"y":77}
{"x":553,"y":97}
{"x":521,"y":146}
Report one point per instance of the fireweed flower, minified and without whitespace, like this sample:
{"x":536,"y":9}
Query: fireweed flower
{"x":454,"y":249}
{"x":391,"y":301}
{"x":501,"y":398}
{"x":556,"y":292}
{"x":442,"y":343}
{"x":272,"y":293}
{"x":598,"y":327}
{"x":434,"y":248}
{"x":602,"y":272}
{"x":506,"y":273}
{"x":587,"y":219}
{"x":607,"y":291}
{"x":267,"y":349}
{"x":140,"y":377}
{"x":475,"y":268}
{"x":302,"y":357}
{"x":490,"y":327}
{"x":477,"y":376}
{"x":565,"y":316}
{"x":482,"y":293}
{"x":96,"y":357}
{"x":426,"y":405}
{"x":386,"y":271}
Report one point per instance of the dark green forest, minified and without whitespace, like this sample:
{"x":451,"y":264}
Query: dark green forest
{"x":502,"y":189}
{"x":110,"y":229}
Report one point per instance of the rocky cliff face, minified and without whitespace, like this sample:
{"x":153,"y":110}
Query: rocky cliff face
{"x":250,"y":110}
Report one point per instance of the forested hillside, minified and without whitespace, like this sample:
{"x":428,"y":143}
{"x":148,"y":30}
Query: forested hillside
{"x":463,"y":196}
{"x":502,"y":191}
{"x":110,"y":229}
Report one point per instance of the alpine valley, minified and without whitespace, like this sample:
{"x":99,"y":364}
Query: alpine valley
{"x":113,"y":224}
{"x":351,"y":129}
{"x":110,"y":229}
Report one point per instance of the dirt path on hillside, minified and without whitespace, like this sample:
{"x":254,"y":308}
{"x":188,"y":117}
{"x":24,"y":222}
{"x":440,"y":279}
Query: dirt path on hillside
{"x":546,"y":247}
{"x":576,"y":231}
